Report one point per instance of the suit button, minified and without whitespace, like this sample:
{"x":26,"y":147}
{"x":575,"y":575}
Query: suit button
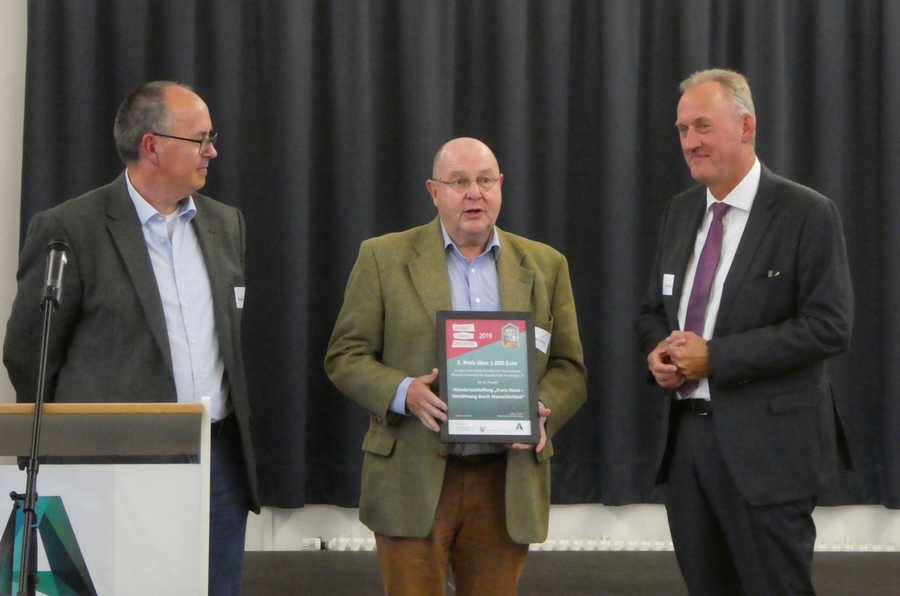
{"x":442,"y":454}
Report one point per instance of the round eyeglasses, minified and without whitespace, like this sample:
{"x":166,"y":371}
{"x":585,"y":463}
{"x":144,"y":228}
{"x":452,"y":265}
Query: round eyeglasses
{"x":462,"y":184}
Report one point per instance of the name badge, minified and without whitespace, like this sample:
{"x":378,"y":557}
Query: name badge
{"x":668,"y":284}
{"x":239,"y":296}
{"x":541,"y":339}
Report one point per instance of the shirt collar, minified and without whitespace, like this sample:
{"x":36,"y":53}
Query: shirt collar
{"x":494,"y":244}
{"x":186,"y":208}
{"x":742,"y":195}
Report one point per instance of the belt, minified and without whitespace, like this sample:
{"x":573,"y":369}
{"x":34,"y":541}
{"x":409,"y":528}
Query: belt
{"x":219,"y":426}
{"x":697,"y":407}
{"x":476,"y":460}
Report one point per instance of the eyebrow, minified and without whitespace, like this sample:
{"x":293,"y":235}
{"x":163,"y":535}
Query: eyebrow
{"x":480,"y":172}
{"x":697,"y":120}
{"x":203,"y":132}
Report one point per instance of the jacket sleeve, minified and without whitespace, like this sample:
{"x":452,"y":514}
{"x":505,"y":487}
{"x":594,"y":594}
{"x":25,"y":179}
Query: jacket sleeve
{"x":353,"y":360}
{"x":22,"y":344}
{"x":563,"y":388}
{"x":652,"y":324}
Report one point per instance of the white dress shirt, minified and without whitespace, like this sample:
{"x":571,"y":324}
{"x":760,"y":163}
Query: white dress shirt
{"x":735,"y":220}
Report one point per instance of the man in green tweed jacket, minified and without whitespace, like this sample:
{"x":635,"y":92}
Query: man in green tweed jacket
{"x":431,"y":505}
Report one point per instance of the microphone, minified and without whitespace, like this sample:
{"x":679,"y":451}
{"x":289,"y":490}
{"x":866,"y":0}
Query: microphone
{"x":56,"y":262}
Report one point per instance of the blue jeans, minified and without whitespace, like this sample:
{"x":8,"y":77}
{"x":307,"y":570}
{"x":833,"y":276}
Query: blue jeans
{"x":229,"y":505}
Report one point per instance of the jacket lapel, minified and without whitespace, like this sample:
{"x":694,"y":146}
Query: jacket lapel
{"x":219,"y":284}
{"x":428,"y":271}
{"x":126,"y":232}
{"x":689,"y":221}
{"x":515,"y":281}
{"x":758,"y":222}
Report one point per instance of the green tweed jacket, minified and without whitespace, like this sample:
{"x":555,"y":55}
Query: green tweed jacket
{"x":386,"y":331}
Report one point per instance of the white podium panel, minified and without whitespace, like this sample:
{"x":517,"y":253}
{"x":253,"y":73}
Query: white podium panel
{"x":143,"y":529}
{"x":138,"y":526}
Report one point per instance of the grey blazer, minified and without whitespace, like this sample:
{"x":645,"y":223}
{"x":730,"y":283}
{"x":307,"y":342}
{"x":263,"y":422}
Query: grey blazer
{"x":108,"y":340}
{"x":787,"y":306}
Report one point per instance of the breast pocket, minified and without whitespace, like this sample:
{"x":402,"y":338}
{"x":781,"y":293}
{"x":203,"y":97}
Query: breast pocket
{"x":768,"y":300}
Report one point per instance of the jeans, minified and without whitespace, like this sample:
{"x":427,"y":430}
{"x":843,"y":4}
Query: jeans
{"x":228,"y":509}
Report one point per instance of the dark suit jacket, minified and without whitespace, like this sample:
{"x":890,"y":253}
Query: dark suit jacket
{"x":387,"y":330}
{"x":772,"y":400}
{"x":108,"y":340}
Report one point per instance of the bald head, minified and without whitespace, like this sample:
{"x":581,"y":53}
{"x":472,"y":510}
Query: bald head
{"x":466,"y":189}
{"x":461,"y":146}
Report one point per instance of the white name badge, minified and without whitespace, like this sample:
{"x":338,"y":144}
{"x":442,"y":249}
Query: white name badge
{"x":541,"y":340}
{"x":668,"y":284}
{"x":239,"y":296}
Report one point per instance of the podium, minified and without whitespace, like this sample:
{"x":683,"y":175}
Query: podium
{"x":142,"y":528}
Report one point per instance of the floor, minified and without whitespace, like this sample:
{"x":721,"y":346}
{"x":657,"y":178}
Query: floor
{"x":572,"y":573}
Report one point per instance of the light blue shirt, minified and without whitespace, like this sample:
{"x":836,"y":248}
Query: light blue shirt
{"x":187,"y":302}
{"x":473,"y":286}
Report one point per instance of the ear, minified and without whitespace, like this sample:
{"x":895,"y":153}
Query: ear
{"x":432,"y":189}
{"x":148,"y":148}
{"x":748,"y":125}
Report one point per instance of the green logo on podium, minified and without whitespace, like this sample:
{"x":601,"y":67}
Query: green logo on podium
{"x":68,"y":575}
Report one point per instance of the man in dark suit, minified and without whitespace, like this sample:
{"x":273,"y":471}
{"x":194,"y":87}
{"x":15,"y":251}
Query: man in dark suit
{"x":749,"y":296}
{"x":474,"y":506}
{"x":151,"y":299}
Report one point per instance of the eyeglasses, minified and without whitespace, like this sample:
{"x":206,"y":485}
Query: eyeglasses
{"x":205,"y":143}
{"x":463,"y":184}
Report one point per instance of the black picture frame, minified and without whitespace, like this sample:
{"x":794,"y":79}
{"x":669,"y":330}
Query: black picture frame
{"x":488,"y":380}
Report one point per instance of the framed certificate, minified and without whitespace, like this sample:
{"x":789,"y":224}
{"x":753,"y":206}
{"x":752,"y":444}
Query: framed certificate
{"x":486,"y":365}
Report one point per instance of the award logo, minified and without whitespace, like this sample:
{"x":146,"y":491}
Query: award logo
{"x":510,"y":336}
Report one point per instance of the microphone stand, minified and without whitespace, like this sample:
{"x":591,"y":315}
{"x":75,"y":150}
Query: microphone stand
{"x":28,"y":575}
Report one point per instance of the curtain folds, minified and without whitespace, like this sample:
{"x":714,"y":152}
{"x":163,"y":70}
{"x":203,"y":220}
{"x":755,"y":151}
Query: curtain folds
{"x":330,"y":112}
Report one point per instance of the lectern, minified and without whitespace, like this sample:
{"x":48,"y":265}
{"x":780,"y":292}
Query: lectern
{"x":142,"y":528}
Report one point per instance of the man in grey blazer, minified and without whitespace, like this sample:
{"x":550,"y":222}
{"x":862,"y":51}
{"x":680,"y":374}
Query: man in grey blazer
{"x":749,"y":296}
{"x":476,"y":507}
{"x":151,"y":299}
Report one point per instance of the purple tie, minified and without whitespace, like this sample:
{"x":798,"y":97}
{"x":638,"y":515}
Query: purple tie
{"x":695,"y":319}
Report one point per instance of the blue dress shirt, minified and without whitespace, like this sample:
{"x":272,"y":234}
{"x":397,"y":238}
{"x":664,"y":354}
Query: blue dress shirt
{"x":473,"y":286}
{"x":186,"y":296}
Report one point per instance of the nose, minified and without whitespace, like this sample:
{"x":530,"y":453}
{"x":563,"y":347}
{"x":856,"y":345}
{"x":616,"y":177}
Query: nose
{"x":690,"y":139}
{"x":473,"y":191}
{"x":211,"y":152}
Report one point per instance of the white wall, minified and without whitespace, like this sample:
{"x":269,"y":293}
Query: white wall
{"x":633,"y":527}
{"x":13,"y":28}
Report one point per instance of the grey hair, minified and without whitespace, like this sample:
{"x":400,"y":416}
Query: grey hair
{"x":735,"y":85}
{"x":143,"y":111}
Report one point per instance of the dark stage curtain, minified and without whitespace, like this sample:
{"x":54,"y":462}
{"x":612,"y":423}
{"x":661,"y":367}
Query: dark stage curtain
{"x":330,"y":113}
